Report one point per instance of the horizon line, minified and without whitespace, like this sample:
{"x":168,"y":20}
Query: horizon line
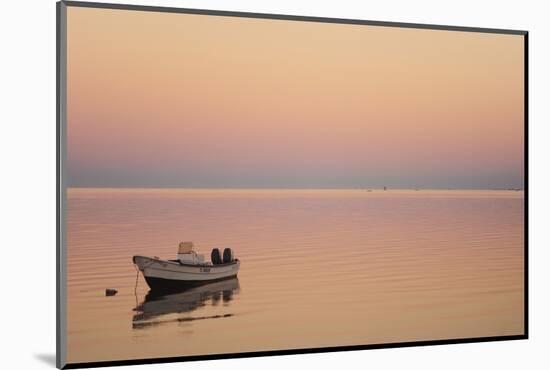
{"x":293,"y":188}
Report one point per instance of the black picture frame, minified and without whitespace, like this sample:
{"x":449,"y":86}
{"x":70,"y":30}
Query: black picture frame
{"x":61,"y":324}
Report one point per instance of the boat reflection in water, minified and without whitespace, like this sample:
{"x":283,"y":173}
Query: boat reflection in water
{"x":155,"y":305}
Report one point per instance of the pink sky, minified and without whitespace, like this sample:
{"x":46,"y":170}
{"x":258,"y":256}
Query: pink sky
{"x":176,"y":100}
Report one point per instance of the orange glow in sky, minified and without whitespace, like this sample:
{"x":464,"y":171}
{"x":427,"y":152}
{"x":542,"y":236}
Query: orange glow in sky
{"x":179,"y":100}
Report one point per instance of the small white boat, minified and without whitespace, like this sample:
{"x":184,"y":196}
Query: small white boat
{"x":188,"y":270}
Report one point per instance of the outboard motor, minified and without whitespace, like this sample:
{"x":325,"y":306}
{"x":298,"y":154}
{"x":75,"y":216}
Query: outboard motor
{"x":228,"y":255}
{"x":215,"y":256}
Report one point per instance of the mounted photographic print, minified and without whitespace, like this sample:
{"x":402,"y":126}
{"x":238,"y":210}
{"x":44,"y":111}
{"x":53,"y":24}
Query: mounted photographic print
{"x":237,"y":184}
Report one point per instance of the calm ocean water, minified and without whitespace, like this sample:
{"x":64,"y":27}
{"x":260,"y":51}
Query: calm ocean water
{"x":319,"y":268}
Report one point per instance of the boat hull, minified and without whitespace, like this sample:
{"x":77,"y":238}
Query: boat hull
{"x":168,"y":285}
{"x":162,"y":275}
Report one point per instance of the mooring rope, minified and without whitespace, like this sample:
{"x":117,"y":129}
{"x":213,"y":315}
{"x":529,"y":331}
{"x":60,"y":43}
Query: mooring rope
{"x":137,"y":276}
{"x":135,"y":287}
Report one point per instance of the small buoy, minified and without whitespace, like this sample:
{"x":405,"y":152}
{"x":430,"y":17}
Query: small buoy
{"x":110,"y":292}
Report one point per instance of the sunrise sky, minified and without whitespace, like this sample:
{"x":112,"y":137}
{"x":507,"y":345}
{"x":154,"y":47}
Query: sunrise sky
{"x":178,"y":100}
